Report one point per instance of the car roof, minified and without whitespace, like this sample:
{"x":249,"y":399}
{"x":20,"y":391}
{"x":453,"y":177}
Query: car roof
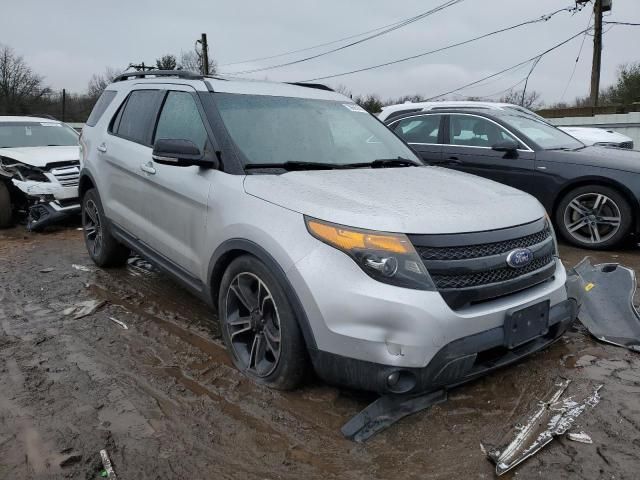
{"x":18,"y":118}
{"x":228,"y":85}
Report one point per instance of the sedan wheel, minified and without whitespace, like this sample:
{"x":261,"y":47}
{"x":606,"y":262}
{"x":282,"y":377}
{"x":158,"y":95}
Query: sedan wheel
{"x":253,"y":324}
{"x":595,"y":217}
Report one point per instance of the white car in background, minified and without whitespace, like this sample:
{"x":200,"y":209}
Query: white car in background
{"x":587,"y":135}
{"x":39,"y":170}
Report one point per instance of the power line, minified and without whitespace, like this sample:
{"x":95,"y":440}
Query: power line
{"x":623,"y":23}
{"x":313,"y":47}
{"x":402,"y":24}
{"x":532,"y":59}
{"x":575,"y":65}
{"x":544,"y":18}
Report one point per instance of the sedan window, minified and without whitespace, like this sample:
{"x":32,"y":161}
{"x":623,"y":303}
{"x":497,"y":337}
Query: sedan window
{"x":472,"y":131}
{"x":545,"y":135}
{"x":422,"y":129}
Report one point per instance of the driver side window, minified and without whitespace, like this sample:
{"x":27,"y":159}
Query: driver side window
{"x":472,"y":131}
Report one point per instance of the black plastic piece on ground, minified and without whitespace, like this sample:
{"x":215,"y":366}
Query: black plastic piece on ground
{"x":42,"y":215}
{"x":386,"y":411}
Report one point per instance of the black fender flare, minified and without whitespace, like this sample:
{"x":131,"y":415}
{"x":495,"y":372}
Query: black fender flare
{"x":235,"y":247}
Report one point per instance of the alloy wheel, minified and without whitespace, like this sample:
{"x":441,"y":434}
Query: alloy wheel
{"x":253,"y":324}
{"x":592,"y":218}
{"x":92,"y":227}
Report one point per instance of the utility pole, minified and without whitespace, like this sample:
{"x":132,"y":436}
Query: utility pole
{"x":64,"y":103}
{"x":205,"y":54}
{"x":597,"y":53}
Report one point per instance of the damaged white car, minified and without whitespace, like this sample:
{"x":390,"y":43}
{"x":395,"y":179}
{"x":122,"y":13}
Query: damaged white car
{"x":39,"y":170}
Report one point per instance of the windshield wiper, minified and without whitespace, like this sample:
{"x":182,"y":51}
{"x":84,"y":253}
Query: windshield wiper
{"x":293,"y":166}
{"x":384,"y":163}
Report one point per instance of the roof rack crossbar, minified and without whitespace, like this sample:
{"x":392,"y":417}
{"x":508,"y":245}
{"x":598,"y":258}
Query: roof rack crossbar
{"x":186,"y":74}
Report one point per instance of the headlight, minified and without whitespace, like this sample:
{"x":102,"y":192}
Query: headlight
{"x":553,"y":235}
{"x":386,"y":257}
{"x":21,"y":171}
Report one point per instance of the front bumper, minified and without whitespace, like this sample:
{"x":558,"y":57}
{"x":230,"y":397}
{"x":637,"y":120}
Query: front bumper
{"x":49,"y":202}
{"x":364,"y":329}
{"x":457,"y":362}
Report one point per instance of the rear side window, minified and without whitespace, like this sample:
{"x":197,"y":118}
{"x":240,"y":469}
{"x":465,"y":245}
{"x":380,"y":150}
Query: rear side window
{"x":135,"y":118}
{"x":180,"y":120}
{"x":101,"y":105}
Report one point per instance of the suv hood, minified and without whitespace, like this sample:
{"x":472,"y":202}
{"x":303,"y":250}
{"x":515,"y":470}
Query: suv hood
{"x":41,"y":156}
{"x":418,"y":200}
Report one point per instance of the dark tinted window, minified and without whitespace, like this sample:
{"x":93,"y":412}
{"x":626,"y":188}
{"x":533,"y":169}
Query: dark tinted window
{"x":180,"y":120}
{"x":422,"y":129}
{"x":101,"y":105}
{"x":137,"y":116}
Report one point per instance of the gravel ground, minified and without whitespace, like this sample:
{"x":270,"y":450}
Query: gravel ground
{"x":163,"y":400}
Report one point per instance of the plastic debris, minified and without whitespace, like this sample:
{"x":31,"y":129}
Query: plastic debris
{"x":82,"y":268}
{"x":47,"y":270}
{"x":122,"y":324}
{"x":106,"y":463}
{"x":608,"y":311}
{"x":580,"y":437}
{"x":82,"y":309}
{"x":554,"y":417}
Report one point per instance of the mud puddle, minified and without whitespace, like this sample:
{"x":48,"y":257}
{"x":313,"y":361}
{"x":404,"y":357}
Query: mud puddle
{"x":164,"y":400}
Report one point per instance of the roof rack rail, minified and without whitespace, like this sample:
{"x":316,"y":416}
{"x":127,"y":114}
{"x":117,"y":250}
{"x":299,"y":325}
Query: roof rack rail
{"x":317,"y":86}
{"x":186,"y":74}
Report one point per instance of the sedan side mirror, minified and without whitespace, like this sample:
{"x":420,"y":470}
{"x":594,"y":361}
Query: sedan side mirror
{"x":506,"y":146}
{"x":179,"y":153}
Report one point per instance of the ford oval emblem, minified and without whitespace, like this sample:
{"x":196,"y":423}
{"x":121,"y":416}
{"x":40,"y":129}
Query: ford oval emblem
{"x":519,"y":258}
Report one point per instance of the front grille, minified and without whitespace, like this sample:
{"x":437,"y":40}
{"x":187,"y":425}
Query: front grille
{"x":489,"y":276}
{"x":68,"y":176}
{"x":472,"y":268}
{"x":483,"y":250}
{"x":628,"y":145}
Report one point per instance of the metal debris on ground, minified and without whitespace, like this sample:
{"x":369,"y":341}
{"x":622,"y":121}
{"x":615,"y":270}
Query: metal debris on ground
{"x":608,"y":311}
{"x":122,"y":324}
{"x":553,"y":417}
{"x":580,"y":437}
{"x":82,"y":309}
{"x":386,"y":411}
{"x":82,"y":268}
{"x":106,"y":463}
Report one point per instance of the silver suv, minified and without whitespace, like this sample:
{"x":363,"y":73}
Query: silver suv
{"x":318,"y":234}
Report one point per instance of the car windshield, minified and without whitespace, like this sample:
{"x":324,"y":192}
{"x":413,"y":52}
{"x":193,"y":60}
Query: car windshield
{"x":276,"y":130}
{"x":546,"y":136}
{"x":36,"y":134}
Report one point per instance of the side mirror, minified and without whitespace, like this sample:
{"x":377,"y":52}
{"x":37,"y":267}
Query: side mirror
{"x":179,"y":153}
{"x":506,"y":146}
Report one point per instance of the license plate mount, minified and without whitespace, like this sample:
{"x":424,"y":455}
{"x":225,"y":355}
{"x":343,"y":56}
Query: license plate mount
{"x":525,"y":324}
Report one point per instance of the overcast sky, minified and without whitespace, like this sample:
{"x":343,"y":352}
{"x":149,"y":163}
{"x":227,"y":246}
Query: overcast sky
{"x":69,"y":40}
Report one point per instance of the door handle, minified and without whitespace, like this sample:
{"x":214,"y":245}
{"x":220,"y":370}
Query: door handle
{"x":148,"y":168}
{"x":102,"y":148}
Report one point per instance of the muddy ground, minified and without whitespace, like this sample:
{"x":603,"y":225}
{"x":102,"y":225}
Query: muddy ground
{"x":163,"y":400}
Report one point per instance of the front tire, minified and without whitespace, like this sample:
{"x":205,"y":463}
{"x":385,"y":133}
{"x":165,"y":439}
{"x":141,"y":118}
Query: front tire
{"x":103,"y":248}
{"x":259,"y":326}
{"x":6,"y":212}
{"x":594,"y":217}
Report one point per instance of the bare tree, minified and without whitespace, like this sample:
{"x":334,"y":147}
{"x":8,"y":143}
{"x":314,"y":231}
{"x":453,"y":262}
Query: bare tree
{"x":167,"y":62}
{"x":100,"y":81}
{"x":19,"y":84}
{"x":192,"y":61}
{"x":531,"y":99}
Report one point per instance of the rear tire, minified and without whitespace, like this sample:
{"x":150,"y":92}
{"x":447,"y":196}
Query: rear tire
{"x":259,"y":326}
{"x":594,"y":217}
{"x":103,"y":248}
{"x":6,"y":212}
